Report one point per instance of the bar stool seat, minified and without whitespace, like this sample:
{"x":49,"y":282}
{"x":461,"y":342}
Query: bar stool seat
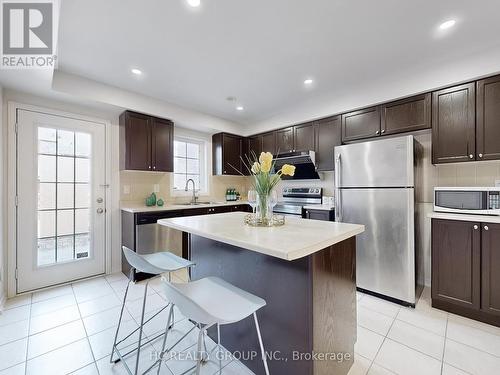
{"x":210,"y":302}
{"x":156,"y":264}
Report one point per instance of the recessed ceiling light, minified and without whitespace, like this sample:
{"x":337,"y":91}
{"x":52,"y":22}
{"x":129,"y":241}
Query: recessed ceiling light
{"x":136,"y":71}
{"x":194,"y":3}
{"x":239,"y":108}
{"x":308,"y":81}
{"x":447,"y":24}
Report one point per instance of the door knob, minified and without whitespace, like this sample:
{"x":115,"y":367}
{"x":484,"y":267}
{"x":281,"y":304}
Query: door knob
{"x":475,"y":227}
{"x":99,"y":200}
{"x":486,"y":227}
{"x":100,"y":210}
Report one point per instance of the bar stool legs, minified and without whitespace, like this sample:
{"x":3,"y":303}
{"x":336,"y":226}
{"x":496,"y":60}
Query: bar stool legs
{"x":264,"y":359}
{"x":141,"y":328}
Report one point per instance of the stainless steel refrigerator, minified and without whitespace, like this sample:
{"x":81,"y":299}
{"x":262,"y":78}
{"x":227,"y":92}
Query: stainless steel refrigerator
{"x":375,"y":185}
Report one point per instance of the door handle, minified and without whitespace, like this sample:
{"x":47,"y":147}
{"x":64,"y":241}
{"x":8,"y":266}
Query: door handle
{"x":100,"y":210}
{"x":99,"y":200}
{"x":486,"y":227}
{"x":476,"y":227}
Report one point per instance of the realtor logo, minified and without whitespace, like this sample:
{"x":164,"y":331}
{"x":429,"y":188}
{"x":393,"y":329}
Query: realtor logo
{"x":27,"y":35}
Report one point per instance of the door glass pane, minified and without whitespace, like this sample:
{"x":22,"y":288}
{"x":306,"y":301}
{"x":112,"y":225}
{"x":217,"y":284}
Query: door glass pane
{"x":82,"y":195}
{"x":82,"y":170}
{"x":65,"y":169}
{"x":82,"y":245}
{"x":65,"y":248}
{"x":46,"y":224}
{"x":65,"y":143}
{"x":82,"y":144}
{"x":64,"y":160}
{"x":46,"y":251}
{"x":82,"y":220}
{"x":46,"y":168}
{"x":46,"y":196}
{"x":65,"y":196}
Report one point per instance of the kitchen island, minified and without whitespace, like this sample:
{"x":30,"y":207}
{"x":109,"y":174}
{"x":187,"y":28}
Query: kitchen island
{"x":305,"y":270}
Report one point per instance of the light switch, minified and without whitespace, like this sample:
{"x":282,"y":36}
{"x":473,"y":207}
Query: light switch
{"x":156,"y":188}
{"x":126,"y":189}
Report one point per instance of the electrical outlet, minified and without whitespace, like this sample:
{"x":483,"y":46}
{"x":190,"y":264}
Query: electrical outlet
{"x":497,"y":183}
{"x":126,"y":189}
{"x":156,"y":188}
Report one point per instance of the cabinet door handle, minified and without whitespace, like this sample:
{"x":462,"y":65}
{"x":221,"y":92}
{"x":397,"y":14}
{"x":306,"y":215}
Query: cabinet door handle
{"x":383,"y":131}
{"x":471,"y":156}
{"x":486,"y":227}
{"x":480,"y":155}
{"x":476,"y":227}
{"x":154,"y":167}
{"x":149,"y":167}
{"x":377,"y":132}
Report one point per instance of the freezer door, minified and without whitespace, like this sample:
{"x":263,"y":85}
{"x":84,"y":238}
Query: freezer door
{"x":381,"y":163}
{"x":385,"y":253}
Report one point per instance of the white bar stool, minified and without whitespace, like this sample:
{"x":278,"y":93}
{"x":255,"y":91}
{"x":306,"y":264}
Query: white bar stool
{"x":212,"y":301}
{"x":156,"y":264}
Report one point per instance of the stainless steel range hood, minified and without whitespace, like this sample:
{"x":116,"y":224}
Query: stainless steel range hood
{"x":304,"y":162}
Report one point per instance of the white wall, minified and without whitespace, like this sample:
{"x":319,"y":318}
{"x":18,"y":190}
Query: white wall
{"x":109,"y":114}
{"x":3,"y":248}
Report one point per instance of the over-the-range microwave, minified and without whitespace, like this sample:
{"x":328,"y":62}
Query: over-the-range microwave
{"x":467,"y":200}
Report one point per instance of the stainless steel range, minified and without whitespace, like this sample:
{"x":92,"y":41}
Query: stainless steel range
{"x":295,"y":198}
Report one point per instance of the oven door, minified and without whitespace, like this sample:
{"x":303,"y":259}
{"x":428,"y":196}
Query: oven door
{"x":461,"y":201}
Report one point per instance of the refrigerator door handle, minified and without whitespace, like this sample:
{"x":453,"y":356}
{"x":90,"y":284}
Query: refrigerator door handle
{"x":338,"y":203}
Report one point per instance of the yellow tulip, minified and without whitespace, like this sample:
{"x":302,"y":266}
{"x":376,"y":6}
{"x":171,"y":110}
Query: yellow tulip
{"x":265,"y":166}
{"x":288,"y":170}
{"x":256,"y":167}
{"x":266,"y":157}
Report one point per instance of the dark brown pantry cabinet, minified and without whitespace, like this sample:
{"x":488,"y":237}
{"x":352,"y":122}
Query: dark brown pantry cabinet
{"x":453,"y":124}
{"x":361,"y":124}
{"x":146,"y":143}
{"x":466,"y":269}
{"x":227,"y":150}
{"x":488,"y":119}
{"x":327,"y":137}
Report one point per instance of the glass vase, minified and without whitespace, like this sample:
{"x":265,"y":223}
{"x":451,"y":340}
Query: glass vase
{"x":264,"y":211}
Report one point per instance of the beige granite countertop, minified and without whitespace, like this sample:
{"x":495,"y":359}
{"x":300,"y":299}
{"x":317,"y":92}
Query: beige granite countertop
{"x":464,"y":217}
{"x":296,"y":239}
{"x":141,"y":207}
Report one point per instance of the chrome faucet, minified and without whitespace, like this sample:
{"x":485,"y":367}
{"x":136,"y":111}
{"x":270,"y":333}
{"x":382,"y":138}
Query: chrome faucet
{"x":195,"y":198}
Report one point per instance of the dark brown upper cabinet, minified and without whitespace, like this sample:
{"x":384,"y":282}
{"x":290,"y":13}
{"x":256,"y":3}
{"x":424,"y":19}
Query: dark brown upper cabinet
{"x":254,"y":146}
{"x":146,"y":143}
{"x":304,"y":137}
{"x":269,"y":142}
{"x":488,"y":119}
{"x":453,"y":124}
{"x":162,"y":141}
{"x":490,"y":257}
{"x":284,"y":140}
{"x":456,"y":263}
{"x":361,"y":124}
{"x":405,"y":115}
{"x":327,"y":137}
{"x":227,"y":150}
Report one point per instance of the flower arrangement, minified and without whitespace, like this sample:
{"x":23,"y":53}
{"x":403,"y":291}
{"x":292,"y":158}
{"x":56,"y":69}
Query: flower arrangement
{"x":265,"y":180}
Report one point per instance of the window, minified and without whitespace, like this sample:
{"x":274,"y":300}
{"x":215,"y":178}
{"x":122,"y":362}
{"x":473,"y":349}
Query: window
{"x":189,"y":163}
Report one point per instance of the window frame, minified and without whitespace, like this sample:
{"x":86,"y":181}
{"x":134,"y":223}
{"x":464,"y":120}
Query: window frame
{"x":203,"y":189}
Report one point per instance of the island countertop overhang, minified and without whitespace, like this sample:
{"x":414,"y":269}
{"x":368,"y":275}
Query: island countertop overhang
{"x":296,"y":239}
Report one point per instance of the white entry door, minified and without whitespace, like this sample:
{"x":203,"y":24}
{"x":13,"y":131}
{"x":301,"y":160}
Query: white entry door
{"x":61,"y":199}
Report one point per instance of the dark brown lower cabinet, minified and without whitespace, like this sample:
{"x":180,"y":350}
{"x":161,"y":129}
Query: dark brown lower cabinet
{"x":466,"y":269}
{"x":324,"y":215}
{"x":490,"y":298}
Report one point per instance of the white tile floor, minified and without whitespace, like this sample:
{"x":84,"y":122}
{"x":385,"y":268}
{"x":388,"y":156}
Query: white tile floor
{"x":70,"y":330}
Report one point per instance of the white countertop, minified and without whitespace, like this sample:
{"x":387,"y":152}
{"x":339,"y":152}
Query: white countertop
{"x":296,"y":239}
{"x":141,"y":207}
{"x":464,"y":217}
{"x":324,"y":207}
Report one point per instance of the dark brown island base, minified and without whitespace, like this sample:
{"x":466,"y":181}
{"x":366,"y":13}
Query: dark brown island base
{"x":305,"y":270}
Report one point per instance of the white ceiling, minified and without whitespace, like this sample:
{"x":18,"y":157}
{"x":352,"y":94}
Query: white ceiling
{"x":261,"y":51}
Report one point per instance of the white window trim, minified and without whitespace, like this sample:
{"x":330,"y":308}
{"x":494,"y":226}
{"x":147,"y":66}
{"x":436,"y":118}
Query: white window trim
{"x":204,"y":168}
